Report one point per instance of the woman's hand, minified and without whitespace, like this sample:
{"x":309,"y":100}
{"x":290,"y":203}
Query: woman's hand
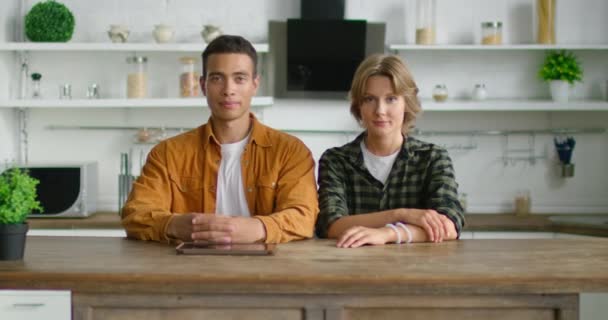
{"x":436,"y":225}
{"x":357,"y":236}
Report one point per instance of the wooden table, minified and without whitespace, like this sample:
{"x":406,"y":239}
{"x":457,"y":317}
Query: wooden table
{"x":114,"y":278}
{"x":475,"y":222}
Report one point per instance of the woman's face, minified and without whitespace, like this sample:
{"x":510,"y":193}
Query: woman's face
{"x":382,"y":110}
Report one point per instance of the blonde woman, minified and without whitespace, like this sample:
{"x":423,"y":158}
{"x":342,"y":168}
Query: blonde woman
{"x":386,"y":186}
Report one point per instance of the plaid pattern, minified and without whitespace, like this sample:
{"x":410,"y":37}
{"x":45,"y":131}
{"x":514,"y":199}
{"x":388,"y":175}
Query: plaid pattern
{"x":422,"y":177}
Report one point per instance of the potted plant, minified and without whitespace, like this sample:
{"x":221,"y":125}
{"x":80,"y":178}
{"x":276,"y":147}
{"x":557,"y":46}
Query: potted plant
{"x":49,"y":21}
{"x":18,"y":199}
{"x":561,"y":70}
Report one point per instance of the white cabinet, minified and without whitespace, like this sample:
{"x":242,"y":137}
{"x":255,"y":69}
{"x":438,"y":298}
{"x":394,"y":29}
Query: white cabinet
{"x":35,"y":305}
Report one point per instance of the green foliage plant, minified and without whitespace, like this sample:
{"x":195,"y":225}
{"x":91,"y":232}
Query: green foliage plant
{"x":18,"y":196}
{"x":561,"y":65}
{"x":49,"y":21}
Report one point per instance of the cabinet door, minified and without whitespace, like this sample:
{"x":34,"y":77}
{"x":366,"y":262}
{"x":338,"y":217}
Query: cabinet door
{"x":34,"y":305}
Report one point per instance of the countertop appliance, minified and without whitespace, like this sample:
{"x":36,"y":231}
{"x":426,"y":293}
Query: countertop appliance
{"x":65,"y":190}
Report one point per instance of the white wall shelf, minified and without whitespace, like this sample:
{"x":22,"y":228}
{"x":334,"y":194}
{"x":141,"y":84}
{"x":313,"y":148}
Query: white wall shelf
{"x":121,"y":103}
{"x":120,"y":47}
{"x":404,"y":47}
{"x":514,"y":105}
{"x":470,"y":105}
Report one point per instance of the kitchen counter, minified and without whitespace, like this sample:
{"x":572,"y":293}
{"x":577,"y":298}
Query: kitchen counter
{"x":475,"y":222}
{"x":114,"y":277}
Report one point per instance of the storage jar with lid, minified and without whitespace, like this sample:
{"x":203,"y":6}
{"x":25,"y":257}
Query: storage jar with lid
{"x":188,"y":79}
{"x":479,"y":92}
{"x":425,"y":22}
{"x":137,"y":79}
{"x":440,"y":93}
{"x":491,"y":32}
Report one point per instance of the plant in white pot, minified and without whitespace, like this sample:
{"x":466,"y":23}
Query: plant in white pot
{"x":561,"y":69}
{"x":18,"y":199}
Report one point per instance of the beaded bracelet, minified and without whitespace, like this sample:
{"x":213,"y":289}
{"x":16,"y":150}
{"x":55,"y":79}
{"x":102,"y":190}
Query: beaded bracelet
{"x":392,"y":226}
{"x":407,"y":230}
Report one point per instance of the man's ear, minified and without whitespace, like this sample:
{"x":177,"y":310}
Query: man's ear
{"x":201,"y":80}
{"x":256,"y":82}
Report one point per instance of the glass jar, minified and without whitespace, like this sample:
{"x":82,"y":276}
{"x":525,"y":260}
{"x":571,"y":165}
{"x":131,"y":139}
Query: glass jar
{"x":545,"y":14}
{"x":425,"y":22}
{"x":36,"y":85}
{"x":137,"y":79}
{"x":522,"y":202}
{"x":479,"y":92}
{"x":491,"y":32}
{"x":440,"y":93}
{"x":188,"y":79}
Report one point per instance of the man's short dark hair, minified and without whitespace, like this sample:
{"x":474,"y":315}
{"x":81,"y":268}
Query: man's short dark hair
{"x":230,"y":44}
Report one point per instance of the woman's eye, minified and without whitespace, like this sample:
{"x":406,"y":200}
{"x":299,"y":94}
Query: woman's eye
{"x":392,"y":99}
{"x":368,"y":99}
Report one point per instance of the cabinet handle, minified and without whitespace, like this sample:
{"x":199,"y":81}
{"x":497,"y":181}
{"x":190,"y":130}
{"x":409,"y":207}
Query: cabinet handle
{"x":27,"y":305}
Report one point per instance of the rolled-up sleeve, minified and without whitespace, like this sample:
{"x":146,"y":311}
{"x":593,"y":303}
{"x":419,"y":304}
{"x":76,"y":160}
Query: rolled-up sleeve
{"x":443,"y":189}
{"x":332,"y":192}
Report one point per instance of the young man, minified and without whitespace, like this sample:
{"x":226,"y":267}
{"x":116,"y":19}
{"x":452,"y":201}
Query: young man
{"x":232,"y":180}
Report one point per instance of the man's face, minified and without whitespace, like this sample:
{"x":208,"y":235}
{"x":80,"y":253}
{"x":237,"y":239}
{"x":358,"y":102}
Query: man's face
{"x":229,"y":85}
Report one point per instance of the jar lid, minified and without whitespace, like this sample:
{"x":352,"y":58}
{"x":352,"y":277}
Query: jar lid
{"x":480,"y":85}
{"x":191,"y":60}
{"x":137,"y":59}
{"x":441,"y":86}
{"x":491,"y":24}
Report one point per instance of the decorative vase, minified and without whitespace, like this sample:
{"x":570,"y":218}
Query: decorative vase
{"x":560,"y":90}
{"x":163,"y":33}
{"x":210,"y":32}
{"x":118,"y":33}
{"x":12,"y":241}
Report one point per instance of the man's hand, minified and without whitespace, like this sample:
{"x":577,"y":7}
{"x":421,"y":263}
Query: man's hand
{"x":224,"y":229}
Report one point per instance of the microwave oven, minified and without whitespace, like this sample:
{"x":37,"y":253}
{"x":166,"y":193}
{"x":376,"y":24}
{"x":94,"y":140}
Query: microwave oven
{"x":65,"y":191}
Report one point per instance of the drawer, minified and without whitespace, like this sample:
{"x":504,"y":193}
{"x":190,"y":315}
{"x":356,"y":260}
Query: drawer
{"x":35,"y":304}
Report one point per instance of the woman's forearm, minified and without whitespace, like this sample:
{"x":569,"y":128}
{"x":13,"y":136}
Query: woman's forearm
{"x":370,"y":220}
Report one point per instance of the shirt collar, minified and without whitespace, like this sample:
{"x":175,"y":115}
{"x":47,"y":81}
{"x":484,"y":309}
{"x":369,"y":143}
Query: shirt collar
{"x":259,"y":133}
{"x":353,"y":151}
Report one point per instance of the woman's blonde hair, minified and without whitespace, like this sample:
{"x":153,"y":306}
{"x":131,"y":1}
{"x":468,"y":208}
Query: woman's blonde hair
{"x":401,"y":78}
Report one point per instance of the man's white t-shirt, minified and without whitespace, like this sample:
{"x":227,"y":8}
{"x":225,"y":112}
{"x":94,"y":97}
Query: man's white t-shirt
{"x":379,"y":167}
{"x":230,"y":197}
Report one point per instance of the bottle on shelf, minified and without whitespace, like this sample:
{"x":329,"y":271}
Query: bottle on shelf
{"x":545,"y":14}
{"x":425,"y":22}
{"x":137,"y":79}
{"x":24,"y":78}
{"x":36,"y":94}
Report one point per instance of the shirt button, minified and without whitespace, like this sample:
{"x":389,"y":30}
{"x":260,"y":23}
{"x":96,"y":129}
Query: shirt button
{"x":249,"y":189}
